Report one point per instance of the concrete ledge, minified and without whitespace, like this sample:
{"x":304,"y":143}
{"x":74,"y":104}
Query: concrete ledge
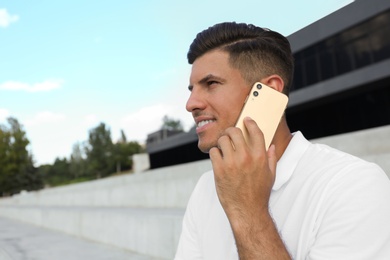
{"x":153,"y":232}
{"x":168,"y":187}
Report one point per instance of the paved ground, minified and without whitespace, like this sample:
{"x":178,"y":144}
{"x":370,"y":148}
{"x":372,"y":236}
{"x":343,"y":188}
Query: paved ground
{"x":21,"y":241}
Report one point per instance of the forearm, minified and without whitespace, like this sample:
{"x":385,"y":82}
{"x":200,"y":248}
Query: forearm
{"x":258,"y":238}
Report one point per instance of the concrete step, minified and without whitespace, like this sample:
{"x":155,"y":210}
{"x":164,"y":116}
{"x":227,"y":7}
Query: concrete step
{"x":147,"y":231}
{"x":138,"y":212}
{"x":20,"y":241}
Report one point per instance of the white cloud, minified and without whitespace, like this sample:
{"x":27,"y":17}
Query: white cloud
{"x":91,"y":120}
{"x":149,"y":119}
{"x":146,"y":120}
{"x":172,"y":103}
{"x":6,"y":19}
{"x":4,"y":114}
{"x":46,"y":85}
{"x":45,"y":117}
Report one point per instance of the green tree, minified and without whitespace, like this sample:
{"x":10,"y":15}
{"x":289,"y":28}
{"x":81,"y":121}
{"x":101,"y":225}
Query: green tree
{"x":44,"y":171}
{"x":58,"y":173}
{"x":123,"y":151}
{"x":99,"y":152}
{"x":17,"y":171}
{"x":5,"y":169}
{"x":171,"y":124}
{"x":77,"y":163}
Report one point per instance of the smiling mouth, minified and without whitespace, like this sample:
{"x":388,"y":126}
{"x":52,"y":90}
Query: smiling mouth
{"x":204,"y":122}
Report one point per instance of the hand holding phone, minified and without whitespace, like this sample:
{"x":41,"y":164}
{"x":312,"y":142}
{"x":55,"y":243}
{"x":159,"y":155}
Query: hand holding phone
{"x":265,"y":106}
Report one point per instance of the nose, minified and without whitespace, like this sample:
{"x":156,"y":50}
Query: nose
{"x":196,"y":101}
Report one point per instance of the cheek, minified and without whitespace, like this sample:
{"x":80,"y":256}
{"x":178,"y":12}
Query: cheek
{"x":230,"y":106}
{"x":230,"y":115}
{"x":235,"y":109}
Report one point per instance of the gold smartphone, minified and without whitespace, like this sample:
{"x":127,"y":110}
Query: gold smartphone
{"x":266,"y":106}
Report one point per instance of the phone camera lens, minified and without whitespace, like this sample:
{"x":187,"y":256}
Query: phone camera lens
{"x":255,"y":93}
{"x":259,"y":86}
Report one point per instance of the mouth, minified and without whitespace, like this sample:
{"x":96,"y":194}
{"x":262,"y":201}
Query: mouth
{"x":203,"y":123}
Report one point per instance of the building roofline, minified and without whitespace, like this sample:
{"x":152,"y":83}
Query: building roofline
{"x":173,"y":141}
{"x":345,"y":17}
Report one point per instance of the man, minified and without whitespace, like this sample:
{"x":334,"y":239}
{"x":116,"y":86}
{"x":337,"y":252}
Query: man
{"x":293,"y":200}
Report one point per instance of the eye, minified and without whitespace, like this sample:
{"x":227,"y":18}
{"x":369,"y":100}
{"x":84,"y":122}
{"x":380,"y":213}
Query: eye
{"x":212,"y":82}
{"x":190,"y":88}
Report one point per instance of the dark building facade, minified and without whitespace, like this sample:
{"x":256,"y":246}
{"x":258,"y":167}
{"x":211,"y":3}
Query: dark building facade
{"x":341,"y":80}
{"x":342,"y":71}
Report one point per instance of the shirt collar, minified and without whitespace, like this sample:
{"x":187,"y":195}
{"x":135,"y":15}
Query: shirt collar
{"x":289,"y":160}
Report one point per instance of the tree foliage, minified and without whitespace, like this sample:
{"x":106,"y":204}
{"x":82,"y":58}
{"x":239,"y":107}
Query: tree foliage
{"x":77,"y":163}
{"x":100,"y":151}
{"x":171,"y":124}
{"x":123,"y":151}
{"x":58,"y":172}
{"x":17,"y":171}
{"x":94,"y":158}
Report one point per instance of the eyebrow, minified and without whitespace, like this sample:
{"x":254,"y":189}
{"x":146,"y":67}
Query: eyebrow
{"x":207,"y":78}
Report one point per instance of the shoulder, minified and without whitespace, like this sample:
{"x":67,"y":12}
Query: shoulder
{"x":341,"y":175}
{"x":336,"y":162}
{"x":350,"y":198}
{"x":202,"y":200}
{"x":344,"y":181}
{"x":207,"y":178}
{"x":205,"y":187}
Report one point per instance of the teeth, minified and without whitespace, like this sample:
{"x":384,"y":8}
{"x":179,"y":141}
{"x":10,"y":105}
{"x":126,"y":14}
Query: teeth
{"x":205,"y":122}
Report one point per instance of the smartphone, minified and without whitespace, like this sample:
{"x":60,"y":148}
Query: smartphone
{"x":266,"y":106}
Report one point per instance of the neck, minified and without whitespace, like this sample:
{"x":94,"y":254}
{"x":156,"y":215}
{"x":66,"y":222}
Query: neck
{"x":282,"y":137}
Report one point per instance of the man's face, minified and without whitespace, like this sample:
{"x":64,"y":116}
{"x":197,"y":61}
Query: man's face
{"x":218,"y":92}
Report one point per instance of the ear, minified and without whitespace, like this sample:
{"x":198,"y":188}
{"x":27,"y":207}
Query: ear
{"x":274,"y":81}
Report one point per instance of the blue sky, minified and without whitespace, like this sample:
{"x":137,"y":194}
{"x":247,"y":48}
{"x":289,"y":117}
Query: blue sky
{"x":66,"y":66}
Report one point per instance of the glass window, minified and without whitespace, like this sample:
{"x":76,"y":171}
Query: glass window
{"x":344,"y":62}
{"x":380,"y":43}
{"x":354,"y":48}
{"x":311,"y":70}
{"x":298,"y":80}
{"x":361,"y":50}
{"x":298,"y":76}
{"x":327,"y":63}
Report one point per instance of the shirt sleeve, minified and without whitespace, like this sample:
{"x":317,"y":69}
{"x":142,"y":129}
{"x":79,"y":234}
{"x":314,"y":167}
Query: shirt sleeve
{"x":354,"y":218}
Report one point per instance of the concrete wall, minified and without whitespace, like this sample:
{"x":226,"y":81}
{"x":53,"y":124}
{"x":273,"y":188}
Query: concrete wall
{"x":141,"y":162}
{"x":168,"y":187}
{"x":143,"y":212}
{"x":138,"y":212}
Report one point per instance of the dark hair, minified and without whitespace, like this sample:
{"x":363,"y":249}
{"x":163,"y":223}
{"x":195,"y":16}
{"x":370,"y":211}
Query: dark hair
{"x":256,"y":52}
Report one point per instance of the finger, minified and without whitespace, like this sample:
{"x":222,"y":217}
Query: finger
{"x":215,"y":153}
{"x":237,"y":138}
{"x":226,"y":146}
{"x":216,"y":158}
{"x":255,"y":135}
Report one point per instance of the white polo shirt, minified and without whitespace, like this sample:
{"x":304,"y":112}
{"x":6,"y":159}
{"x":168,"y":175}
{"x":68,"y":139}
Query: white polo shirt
{"x":326,"y":205}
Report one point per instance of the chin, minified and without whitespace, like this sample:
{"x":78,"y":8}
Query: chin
{"x":204,"y":148}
